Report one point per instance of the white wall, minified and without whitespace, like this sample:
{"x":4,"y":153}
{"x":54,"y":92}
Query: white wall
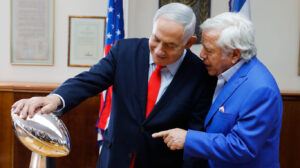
{"x":277,"y":25}
{"x":277,"y":39}
{"x":59,"y":71}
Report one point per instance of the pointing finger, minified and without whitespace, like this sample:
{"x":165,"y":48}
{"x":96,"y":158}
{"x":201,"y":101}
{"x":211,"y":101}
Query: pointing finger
{"x":160,"y":134}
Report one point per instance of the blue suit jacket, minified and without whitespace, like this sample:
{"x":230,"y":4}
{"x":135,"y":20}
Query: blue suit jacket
{"x":243,"y":124}
{"x":184,"y":104}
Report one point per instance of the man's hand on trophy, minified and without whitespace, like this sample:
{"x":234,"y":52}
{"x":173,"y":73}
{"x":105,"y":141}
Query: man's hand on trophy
{"x":29,"y":107}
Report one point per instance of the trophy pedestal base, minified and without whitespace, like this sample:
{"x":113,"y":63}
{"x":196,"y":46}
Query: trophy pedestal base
{"x":37,"y":161}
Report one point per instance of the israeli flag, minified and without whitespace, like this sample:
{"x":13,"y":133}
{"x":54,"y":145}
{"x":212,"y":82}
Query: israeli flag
{"x":241,"y":6}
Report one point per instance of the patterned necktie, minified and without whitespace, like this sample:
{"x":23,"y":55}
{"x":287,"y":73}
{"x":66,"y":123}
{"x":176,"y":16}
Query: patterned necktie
{"x":153,"y":89}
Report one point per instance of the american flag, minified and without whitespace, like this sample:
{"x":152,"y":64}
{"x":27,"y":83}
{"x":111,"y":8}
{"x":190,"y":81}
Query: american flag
{"x":114,"y":31}
{"x":241,"y":6}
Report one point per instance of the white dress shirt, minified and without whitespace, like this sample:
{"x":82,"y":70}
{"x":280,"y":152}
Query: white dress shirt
{"x":224,"y":77}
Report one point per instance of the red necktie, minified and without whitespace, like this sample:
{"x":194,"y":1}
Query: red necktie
{"x":153,"y":89}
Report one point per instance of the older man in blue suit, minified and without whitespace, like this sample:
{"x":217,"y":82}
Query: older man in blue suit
{"x":182,"y":98}
{"x":243,"y":123}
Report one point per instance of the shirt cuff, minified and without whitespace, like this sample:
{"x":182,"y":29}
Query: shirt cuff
{"x":59,"y":109}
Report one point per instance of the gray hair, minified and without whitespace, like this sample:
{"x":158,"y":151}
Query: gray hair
{"x":181,"y":14}
{"x":236,"y":32}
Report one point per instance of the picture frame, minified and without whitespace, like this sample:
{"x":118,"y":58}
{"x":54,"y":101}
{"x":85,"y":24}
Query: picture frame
{"x":299,"y":57}
{"x":32,"y":32}
{"x":201,"y":9}
{"x":86,"y":40}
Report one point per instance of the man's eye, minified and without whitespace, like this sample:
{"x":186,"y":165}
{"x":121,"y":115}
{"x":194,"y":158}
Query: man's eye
{"x":167,"y":46}
{"x":208,"y":51}
{"x":155,"y":39}
{"x":170,"y":46}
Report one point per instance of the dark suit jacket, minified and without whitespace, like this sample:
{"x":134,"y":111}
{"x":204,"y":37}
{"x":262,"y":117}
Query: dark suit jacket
{"x":243,"y":124}
{"x":183,"y":105}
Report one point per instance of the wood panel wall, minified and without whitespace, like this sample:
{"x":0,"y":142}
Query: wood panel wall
{"x":290,"y":131}
{"x":81,"y":120}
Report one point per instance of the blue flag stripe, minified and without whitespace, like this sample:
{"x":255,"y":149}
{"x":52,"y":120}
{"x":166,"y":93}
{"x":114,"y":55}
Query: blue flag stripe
{"x":236,"y":5}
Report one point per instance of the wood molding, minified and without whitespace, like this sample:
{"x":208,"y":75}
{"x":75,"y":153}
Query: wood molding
{"x":38,"y":87}
{"x":290,"y":95}
{"x":28,"y":87}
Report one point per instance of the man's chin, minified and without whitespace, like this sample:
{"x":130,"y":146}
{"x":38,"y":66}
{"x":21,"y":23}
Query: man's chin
{"x":159,"y":62}
{"x":211,"y":73}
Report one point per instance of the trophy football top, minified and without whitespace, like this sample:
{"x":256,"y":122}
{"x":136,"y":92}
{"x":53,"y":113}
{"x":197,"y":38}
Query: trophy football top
{"x":44,"y":134}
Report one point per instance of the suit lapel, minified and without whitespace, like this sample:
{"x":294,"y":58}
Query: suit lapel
{"x":230,"y":87}
{"x":225,"y":93}
{"x":142,"y":80}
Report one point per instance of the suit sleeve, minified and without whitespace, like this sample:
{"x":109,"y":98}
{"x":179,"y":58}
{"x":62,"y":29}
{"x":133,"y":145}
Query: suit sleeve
{"x":258,"y":115}
{"x":89,"y":83}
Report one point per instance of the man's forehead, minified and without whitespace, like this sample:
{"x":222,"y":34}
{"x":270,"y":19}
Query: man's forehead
{"x":211,"y":33}
{"x":210,"y":36}
{"x":166,"y":40}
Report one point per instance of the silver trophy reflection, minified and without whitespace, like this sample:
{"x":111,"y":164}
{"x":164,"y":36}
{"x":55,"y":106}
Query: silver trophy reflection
{"x":45,"y":135}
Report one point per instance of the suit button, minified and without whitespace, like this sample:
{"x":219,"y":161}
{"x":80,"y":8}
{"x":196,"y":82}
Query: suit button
{"x":142,"y":129}
{"x":129,"y":155}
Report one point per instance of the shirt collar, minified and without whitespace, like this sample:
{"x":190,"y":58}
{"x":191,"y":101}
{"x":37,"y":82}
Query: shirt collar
{"x":171,"y":67}
{"x":229,"y":72}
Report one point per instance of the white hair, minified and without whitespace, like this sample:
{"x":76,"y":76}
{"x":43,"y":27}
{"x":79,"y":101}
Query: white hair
{"x":181,"y":14}
{"x":236,"y":32}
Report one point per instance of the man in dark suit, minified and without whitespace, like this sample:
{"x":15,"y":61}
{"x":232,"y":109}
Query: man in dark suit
{"x":182,"y":99}
{"x":243,"y":123}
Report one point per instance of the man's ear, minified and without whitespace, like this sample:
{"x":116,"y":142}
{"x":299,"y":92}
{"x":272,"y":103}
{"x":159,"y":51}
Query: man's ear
{"x":236,"y":55}
{"x":190,"y":42}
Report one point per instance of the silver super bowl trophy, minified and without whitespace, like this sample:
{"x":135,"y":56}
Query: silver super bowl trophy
{"x":45,"y":135}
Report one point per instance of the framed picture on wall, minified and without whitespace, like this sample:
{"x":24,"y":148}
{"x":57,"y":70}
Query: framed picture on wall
{"x":32,"y":32}
{"x":201,"y":9}
{"x":86,"y":40}
{"x":299,"y":57}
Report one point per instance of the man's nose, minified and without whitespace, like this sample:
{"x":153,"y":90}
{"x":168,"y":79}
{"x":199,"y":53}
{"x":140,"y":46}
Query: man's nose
{"x":159,"y":50}
{"x":202,"y":54}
